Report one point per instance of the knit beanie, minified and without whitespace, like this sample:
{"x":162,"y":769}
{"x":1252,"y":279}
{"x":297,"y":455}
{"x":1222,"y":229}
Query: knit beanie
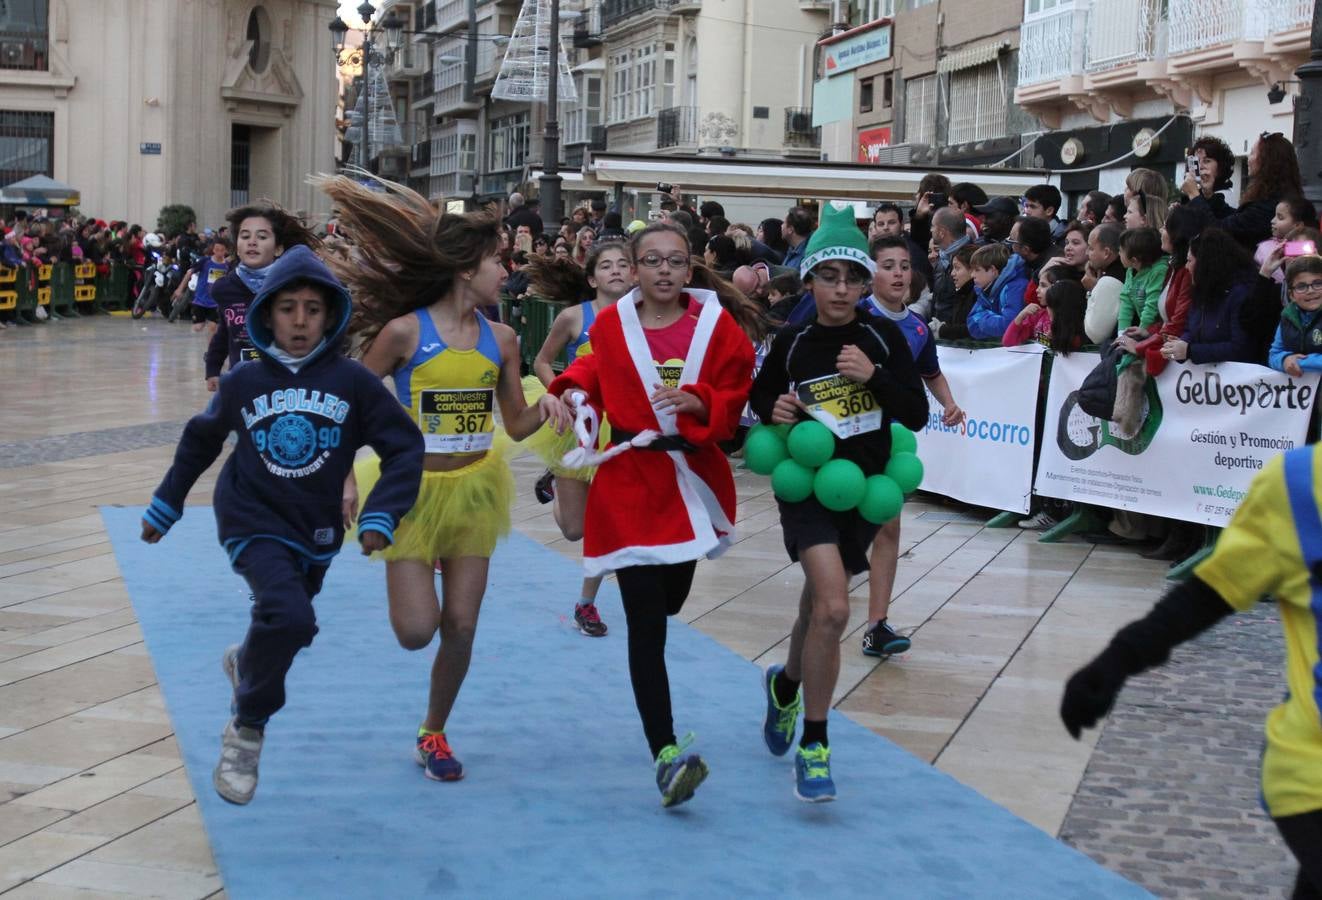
{"x":837,"y":237}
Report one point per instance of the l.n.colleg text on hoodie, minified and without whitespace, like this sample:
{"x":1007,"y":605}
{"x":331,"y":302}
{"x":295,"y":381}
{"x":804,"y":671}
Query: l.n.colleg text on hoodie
{"x":299,"y":422}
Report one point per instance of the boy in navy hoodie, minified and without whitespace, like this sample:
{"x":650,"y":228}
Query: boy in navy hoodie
{"x":301,"y":411}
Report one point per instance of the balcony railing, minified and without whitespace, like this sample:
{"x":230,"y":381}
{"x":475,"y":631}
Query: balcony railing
{"x":1120,"y":32}
{"x":23,"y":50}
{"x":1284,"y":15}
{"x":677,"y":126}
{"x":614,"y":11}
{"x":799,"y":130}
{"x":1051,"y":47}
{"x":1200,"y":24}
{"x":451,"y":14}
{"x":422,"y":151}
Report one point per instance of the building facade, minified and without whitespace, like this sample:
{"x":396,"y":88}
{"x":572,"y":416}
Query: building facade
{"x":142,"y":103}
{"x":1192,"y":68}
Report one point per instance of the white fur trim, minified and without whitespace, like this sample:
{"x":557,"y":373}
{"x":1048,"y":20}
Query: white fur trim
{"x":659,"y":555}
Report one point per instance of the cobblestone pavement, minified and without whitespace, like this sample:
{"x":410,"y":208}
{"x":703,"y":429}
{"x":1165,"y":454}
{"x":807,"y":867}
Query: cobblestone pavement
{"x":1170,"y":798}
{"x":88,"y":443}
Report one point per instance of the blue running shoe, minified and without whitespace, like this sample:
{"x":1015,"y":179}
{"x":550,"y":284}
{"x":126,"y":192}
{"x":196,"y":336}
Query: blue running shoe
{"x":437,"y":759}
{"x":778,"y":727}
{"x":678,"y":774}
{"x":812,"y":774}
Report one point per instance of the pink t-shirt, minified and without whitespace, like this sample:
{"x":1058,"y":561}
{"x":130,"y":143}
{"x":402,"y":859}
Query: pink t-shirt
{"x":670,"y":345}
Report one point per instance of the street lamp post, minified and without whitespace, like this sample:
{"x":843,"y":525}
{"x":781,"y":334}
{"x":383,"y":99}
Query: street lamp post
{"x":1307,"y":144}
{"x":369,"y":58}
{"x":552,"y":207}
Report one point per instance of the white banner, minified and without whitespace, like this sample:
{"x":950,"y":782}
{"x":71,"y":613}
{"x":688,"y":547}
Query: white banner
{"x":987,"y":461}
{"x":1206,"y":431}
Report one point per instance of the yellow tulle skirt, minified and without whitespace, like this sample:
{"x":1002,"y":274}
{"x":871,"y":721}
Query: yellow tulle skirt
{"x":458,"y":513}
{"x":550,"y":447}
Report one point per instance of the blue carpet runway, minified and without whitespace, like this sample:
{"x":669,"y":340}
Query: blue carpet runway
{"x":559,"y":798}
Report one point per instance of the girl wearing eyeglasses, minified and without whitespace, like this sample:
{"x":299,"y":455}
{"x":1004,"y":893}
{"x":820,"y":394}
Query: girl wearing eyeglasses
{"x":671,"y":369}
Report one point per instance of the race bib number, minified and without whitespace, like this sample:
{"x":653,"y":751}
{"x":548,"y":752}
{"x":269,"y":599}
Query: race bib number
{"x":846,"y":407}
{"x":458,"y":420}
{"x":670,"y":372}
{"x":247,"y":353}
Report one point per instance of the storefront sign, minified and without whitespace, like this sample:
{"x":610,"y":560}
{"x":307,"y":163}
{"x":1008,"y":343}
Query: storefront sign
{"x":871,"y":142}
{"x":852,"y":52}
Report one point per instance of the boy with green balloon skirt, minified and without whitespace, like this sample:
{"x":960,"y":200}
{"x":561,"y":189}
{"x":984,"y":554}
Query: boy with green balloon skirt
{"x":831,"y":390}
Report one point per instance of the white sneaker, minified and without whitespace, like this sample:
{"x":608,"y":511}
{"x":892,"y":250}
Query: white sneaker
{"x":235,"y":777}
{"x":1040,"y":522}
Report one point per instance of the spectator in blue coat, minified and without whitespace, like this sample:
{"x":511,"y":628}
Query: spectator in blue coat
{"x":1222,"y":283}
{"x":1001,"y":280}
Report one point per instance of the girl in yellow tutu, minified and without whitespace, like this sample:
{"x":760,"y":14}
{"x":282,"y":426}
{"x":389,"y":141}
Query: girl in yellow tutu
{"x":606,"y":276}
{"x":418,"y":275}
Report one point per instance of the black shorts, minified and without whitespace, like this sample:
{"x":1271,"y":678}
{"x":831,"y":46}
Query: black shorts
{"x":205,"y":314}
{"x":808,"y":524}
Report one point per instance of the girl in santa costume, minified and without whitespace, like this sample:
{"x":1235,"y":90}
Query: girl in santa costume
{"x":419,"y":278}
{"x":671,"y":368}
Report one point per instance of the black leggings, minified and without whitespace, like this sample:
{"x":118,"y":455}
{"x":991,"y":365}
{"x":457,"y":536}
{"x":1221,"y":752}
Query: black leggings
{"x":1303,"y":835}
{"x":650,"y":594}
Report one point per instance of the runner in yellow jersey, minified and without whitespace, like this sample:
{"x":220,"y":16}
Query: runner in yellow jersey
{"x":607,"y":275}
{"x":1273,"y":545}
{"x":418,"y":277}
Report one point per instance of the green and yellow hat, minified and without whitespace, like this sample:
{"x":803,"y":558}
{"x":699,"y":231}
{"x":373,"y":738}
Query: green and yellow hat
{"x":837,"y":237}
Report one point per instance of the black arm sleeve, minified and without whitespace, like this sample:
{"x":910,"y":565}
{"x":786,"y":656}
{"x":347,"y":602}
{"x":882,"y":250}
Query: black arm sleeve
{"x":1186,"y":611}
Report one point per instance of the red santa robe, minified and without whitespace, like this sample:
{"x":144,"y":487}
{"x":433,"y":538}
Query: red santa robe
{"x":652,"y":507}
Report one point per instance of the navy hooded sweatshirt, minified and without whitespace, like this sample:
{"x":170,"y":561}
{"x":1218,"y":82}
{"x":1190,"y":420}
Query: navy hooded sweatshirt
{"x":232,"y":298}
{"x":299,"y":425}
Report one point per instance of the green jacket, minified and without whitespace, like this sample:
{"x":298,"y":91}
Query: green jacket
{"x":1140,"y":296}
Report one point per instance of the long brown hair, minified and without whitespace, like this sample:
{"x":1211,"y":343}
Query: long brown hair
{"x":560,"y":280}
{"x":1278,"y":171}
{"x":747,"y":314}
{"x":407,"y":251}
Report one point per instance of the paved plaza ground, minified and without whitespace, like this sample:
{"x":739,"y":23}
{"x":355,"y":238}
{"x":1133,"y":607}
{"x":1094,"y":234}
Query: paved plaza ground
{"x":94,"y":801}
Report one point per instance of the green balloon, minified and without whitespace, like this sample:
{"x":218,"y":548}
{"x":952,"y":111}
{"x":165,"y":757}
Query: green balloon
{"x":882,"y":500}
{"x":764,"y":449}
{"x":811,"y":444}
{"x":902,"y":439}
{"x":839,"y":485}
{"x":783,"y":430}
{"x":907,"y":471}
{"x":791,"y":482}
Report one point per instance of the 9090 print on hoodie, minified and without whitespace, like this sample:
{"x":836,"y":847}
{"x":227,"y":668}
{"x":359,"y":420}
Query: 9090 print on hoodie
{"x":299,"y":423}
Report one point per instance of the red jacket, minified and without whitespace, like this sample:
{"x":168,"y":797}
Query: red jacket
{"x":649,"y":507}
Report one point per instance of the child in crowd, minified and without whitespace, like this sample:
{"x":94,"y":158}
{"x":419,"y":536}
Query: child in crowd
{"x":1297,"y":347}
{"x":1291,"y":213}
{"x":1039,"y":323}
{"x":869,"y":358}
{"x":961,"y":275}
{"x":262,"y":232}
{"x":1145,"y":264}
{"x":1000,"y":283}
{"x":300,"y":411}
{"x":783,"y":295}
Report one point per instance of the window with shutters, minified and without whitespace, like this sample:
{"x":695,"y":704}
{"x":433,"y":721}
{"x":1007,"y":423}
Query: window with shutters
{"x":920,"y":110}
{"x":977,"y":103}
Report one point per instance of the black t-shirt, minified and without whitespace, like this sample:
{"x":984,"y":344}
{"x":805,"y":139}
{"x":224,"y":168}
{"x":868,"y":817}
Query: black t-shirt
{"x":809,"y":351}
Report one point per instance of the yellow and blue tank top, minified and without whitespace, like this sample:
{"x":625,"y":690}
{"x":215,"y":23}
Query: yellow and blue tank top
{"x":581,"y":346}
{"x":451,"y":393}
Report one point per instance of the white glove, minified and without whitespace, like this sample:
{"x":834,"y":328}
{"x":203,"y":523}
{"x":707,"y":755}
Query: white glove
{"x":935,"y":327}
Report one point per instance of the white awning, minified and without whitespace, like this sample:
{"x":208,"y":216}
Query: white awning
{"x":592,"y":65}
{"x":784,"y":178}
{"x":969,"y":57}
